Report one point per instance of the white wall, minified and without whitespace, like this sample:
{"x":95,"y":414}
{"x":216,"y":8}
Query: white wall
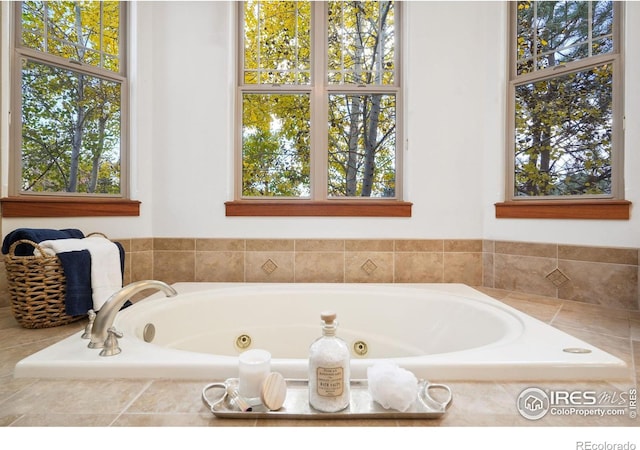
{"x":455,"y":81}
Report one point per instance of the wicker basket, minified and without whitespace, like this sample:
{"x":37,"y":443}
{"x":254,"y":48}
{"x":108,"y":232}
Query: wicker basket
{"x":37,"y":288}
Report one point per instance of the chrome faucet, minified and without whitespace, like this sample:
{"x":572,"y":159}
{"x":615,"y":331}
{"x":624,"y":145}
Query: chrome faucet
{"x":107,"y":313}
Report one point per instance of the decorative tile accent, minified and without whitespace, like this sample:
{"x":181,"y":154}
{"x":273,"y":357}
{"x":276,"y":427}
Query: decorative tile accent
{"x":557,"y":277}
{"x":369,"y":267}
{"x":269,"y":267}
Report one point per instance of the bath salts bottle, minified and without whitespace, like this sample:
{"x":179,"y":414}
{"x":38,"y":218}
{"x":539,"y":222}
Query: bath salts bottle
{"x":329,"y":368}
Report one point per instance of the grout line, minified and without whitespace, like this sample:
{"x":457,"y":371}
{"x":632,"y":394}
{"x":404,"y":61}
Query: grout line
{"x":556,"y":313}
{"x":133,"y":399}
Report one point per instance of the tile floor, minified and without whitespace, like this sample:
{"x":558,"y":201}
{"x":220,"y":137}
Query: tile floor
{"x":177,"y":403}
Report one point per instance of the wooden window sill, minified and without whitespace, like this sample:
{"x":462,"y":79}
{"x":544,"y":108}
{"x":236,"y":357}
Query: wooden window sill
{"x":564,"y":209}
{"x":337,"y":208}
{"x":68,"y":207}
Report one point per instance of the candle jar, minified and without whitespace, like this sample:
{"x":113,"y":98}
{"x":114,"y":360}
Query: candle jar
{"x":253,"y":367}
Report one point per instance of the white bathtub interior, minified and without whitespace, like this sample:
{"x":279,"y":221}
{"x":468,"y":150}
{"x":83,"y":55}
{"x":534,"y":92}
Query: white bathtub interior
{"x":438,"y":331}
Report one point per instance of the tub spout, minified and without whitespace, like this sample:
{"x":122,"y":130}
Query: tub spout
{"x":107,"y":314}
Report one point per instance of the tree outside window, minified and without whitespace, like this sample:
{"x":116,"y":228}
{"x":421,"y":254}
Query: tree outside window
{"x":565,"y":88}
{"x":70,"y":72}
{"x":319,"y":95}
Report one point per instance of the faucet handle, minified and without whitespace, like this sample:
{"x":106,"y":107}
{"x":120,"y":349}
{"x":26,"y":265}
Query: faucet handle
{"x":89,"y":327}
{"x":111,"y":346}
{"x":114,"y":332}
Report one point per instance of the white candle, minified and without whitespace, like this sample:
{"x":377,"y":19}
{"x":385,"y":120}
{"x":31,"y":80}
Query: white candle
{"x":253,"y":366}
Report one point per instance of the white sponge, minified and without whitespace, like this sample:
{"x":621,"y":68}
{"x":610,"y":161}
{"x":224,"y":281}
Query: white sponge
{"x":392,"y":386}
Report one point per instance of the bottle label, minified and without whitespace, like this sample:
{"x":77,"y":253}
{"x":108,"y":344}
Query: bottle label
{"x":330,"y":381}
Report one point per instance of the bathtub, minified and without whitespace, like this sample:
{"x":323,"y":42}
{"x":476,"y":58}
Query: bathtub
{"x":437,"y":331}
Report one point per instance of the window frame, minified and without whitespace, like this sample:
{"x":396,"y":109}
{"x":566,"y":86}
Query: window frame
{"x":20,"y":203}
{"x":604,"y":206}
{"x":319,"y":90}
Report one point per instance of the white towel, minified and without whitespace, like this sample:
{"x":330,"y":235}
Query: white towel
{"x":106,"y":274}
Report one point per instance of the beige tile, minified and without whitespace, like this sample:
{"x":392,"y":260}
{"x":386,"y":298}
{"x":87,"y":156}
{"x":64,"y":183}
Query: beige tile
{"x":170,"y":396}
{"x":18,"y":336}
{"x":612,"y":285}
{"x":126,"y":274}
{"x":6,"y":319}
{"x":141,"y":266}
{"x":488,"y":246}
{"x":498,"y":294}
{"x":463,"y":268}
{"x":319,"y":267}
{"x":592,"y":318}
{"x":636,"y":359}
{"x":418,"y":267}
{"x":107,"y":396}
{"x":479,"y":403}
{"x":628,"y":256}
{"x":369,"y":267}
{"x":174,"y":266}
{"x":5,"y":299}
{"x":141,"y":244}
{"x":369,"y":245}
{"x":524,"y":274}
{"x":219,"y":266}
{"x":220,"y":245}
{"x":176,"y":244}
{"x":174,"y":420}
{"x":270,"y":245}
{"x":463,"y":245}
{"x":10,"y":385}
{"x":8,"y":419}
{"x":269,"y":267}
{"x":487,"y":270}
{"x":542,"y":308}
{"x":482,"y":420}
{"x":418,"y":245}
{"x":334,"y":423}
{"x":593,"y":309}
{"x":319,"y":245}
{"x":526,"y":249}
{"x":65,"y":420}
{"x":635,"y":331}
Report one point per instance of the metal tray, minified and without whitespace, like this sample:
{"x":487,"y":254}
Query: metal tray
{"x":296,"y":404}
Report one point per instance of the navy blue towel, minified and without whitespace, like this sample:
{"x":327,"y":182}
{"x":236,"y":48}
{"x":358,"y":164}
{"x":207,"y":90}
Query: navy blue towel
{"x":77,"y":269}
{"x":36,"y":235}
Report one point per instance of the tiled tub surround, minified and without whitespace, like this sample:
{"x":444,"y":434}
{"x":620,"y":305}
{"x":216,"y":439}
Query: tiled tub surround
{"x":596,"y":275}
{"x":142,"y":403}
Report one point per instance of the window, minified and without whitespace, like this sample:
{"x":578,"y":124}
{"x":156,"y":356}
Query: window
{"x":565,"y":97}
{"x":69,"y":136}
{"x":319,"y":102}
